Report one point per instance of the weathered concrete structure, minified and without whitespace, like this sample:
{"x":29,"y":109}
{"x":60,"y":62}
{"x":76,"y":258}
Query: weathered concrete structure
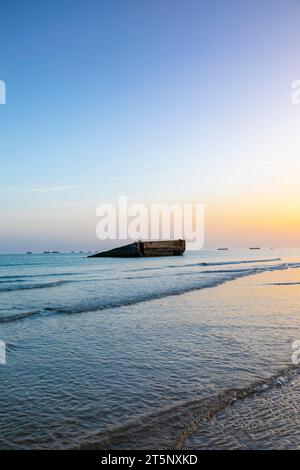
{"x":147,"y":249}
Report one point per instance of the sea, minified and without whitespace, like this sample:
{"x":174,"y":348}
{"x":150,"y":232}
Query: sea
{"x":191,"y":352}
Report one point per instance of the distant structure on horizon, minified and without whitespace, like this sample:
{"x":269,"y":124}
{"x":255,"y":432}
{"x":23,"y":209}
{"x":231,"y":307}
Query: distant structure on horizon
{"x":145,"y":249}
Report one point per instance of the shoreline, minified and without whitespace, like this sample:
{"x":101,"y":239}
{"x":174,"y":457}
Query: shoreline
{"x":139,"y":376}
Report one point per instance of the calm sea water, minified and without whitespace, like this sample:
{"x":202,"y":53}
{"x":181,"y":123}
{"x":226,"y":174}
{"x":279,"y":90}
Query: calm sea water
{"x":187,"y":352}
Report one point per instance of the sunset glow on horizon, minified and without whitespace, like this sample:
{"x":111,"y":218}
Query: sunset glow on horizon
{"x":166,"y":102}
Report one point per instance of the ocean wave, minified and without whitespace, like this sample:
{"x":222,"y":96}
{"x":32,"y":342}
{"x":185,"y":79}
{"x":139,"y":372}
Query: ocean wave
{"x":294,"y":265}
{"x":246,"y":271}
{"x":172,"y":425}
{"x":223,"y":263}
{"x":19,"y":277}
{"x":18,"y":316}
{"x":193,"y":265}
{"x":100,"y":304}
{"x":282,"y":284}
{"x":238,"y":271}
{"x":31,"y":286}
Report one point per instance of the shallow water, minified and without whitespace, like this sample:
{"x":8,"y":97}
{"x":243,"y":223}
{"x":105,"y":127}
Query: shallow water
{"x":106,"y":353}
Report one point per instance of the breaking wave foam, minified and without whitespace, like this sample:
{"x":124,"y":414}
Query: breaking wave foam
{"x":104,"y":304}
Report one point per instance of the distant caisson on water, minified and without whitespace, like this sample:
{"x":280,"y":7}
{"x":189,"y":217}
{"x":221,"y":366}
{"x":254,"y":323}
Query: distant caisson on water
{"x":145,"y":249}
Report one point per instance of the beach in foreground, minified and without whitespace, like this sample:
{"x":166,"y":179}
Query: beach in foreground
{"x":189,"y":353}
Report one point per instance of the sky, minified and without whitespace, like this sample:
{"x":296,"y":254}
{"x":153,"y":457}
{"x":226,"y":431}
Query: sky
{"x":168,"y":101}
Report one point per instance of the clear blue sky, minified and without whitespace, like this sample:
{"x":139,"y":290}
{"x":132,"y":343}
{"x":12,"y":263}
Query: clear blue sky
{"x":162,"y":100}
